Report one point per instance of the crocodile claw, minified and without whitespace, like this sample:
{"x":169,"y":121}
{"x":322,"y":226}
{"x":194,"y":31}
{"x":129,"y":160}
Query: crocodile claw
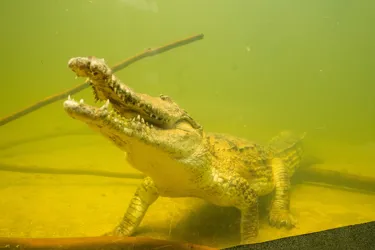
{"x":281,"y":218}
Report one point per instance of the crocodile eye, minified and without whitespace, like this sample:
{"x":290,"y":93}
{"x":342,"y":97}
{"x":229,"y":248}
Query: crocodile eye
{"x":165,"y":98}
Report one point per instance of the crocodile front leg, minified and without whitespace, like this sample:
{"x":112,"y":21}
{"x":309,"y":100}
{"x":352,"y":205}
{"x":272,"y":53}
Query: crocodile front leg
{"x":145,"y":195}
{"x":249,"y":219}
{"x":240,"y":194}
{"x":279,"y":214}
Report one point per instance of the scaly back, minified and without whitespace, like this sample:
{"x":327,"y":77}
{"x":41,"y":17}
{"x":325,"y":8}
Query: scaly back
{"x":288,"y":146}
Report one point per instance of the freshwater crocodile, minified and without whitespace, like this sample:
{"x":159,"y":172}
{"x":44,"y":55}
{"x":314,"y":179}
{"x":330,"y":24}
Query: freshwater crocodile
{"x":180,"y":159}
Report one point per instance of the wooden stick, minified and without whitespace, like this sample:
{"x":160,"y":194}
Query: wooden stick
{"x":102,"y":243}
{"x":152,"y":52}
{"x":117,"y":67}
{"x":32,"y":169}
{"x":331,"y":177}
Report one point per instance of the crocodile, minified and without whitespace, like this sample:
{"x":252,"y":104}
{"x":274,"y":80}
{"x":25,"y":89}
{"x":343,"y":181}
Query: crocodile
{"x":180,"y":159}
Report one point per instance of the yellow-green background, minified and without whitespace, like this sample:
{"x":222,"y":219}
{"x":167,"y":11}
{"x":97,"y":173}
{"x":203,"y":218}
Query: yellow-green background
{"x":263,"y":66}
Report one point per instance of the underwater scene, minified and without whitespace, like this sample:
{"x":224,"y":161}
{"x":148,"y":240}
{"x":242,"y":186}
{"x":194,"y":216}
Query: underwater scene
{"x":215,"y":123}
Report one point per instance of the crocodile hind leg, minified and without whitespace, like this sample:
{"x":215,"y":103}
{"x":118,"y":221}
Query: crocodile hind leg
{"x":145,"y":195}
{"x":280,"y":215}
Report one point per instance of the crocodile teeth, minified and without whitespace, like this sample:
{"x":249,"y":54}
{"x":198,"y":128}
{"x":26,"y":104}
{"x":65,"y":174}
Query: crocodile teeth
{"x":142,"y":120}
{"x":138,"y":117}
{"x":105,"y":106}
{"x":81,"y":101}
{"x":69,"y":98}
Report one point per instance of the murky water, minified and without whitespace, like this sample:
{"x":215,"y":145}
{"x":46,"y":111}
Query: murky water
{"x":261,"y":68}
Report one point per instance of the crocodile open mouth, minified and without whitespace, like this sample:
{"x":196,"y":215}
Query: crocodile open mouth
{"x":104,"y":116}
{"x":157,"y":111}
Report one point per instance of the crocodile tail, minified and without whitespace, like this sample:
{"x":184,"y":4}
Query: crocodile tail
{"x":288,"y":146}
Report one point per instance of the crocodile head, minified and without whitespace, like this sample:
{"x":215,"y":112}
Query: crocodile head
{"x":134,"y":122}
{"x":160,"y":111}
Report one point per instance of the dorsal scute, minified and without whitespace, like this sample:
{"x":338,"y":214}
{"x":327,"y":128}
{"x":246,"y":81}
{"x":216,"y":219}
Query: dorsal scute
{"x":285,"y":141}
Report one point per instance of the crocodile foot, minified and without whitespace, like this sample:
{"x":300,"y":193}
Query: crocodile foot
{"x":119,"y":232}
{"x":249,"y":241}
{"x":282,"y":218}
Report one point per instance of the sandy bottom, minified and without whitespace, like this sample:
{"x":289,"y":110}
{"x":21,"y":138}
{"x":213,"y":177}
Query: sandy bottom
{"x":45,"y":205}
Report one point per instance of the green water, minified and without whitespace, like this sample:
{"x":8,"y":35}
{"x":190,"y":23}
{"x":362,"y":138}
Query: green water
{"x":263,"y":66}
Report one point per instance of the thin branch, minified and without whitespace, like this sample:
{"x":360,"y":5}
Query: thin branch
{"x":32,"y":169}
{"x":103,"y":242}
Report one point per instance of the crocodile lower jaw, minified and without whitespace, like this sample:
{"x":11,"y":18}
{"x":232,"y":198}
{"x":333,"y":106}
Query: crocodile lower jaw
{"x":105,"y":118}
